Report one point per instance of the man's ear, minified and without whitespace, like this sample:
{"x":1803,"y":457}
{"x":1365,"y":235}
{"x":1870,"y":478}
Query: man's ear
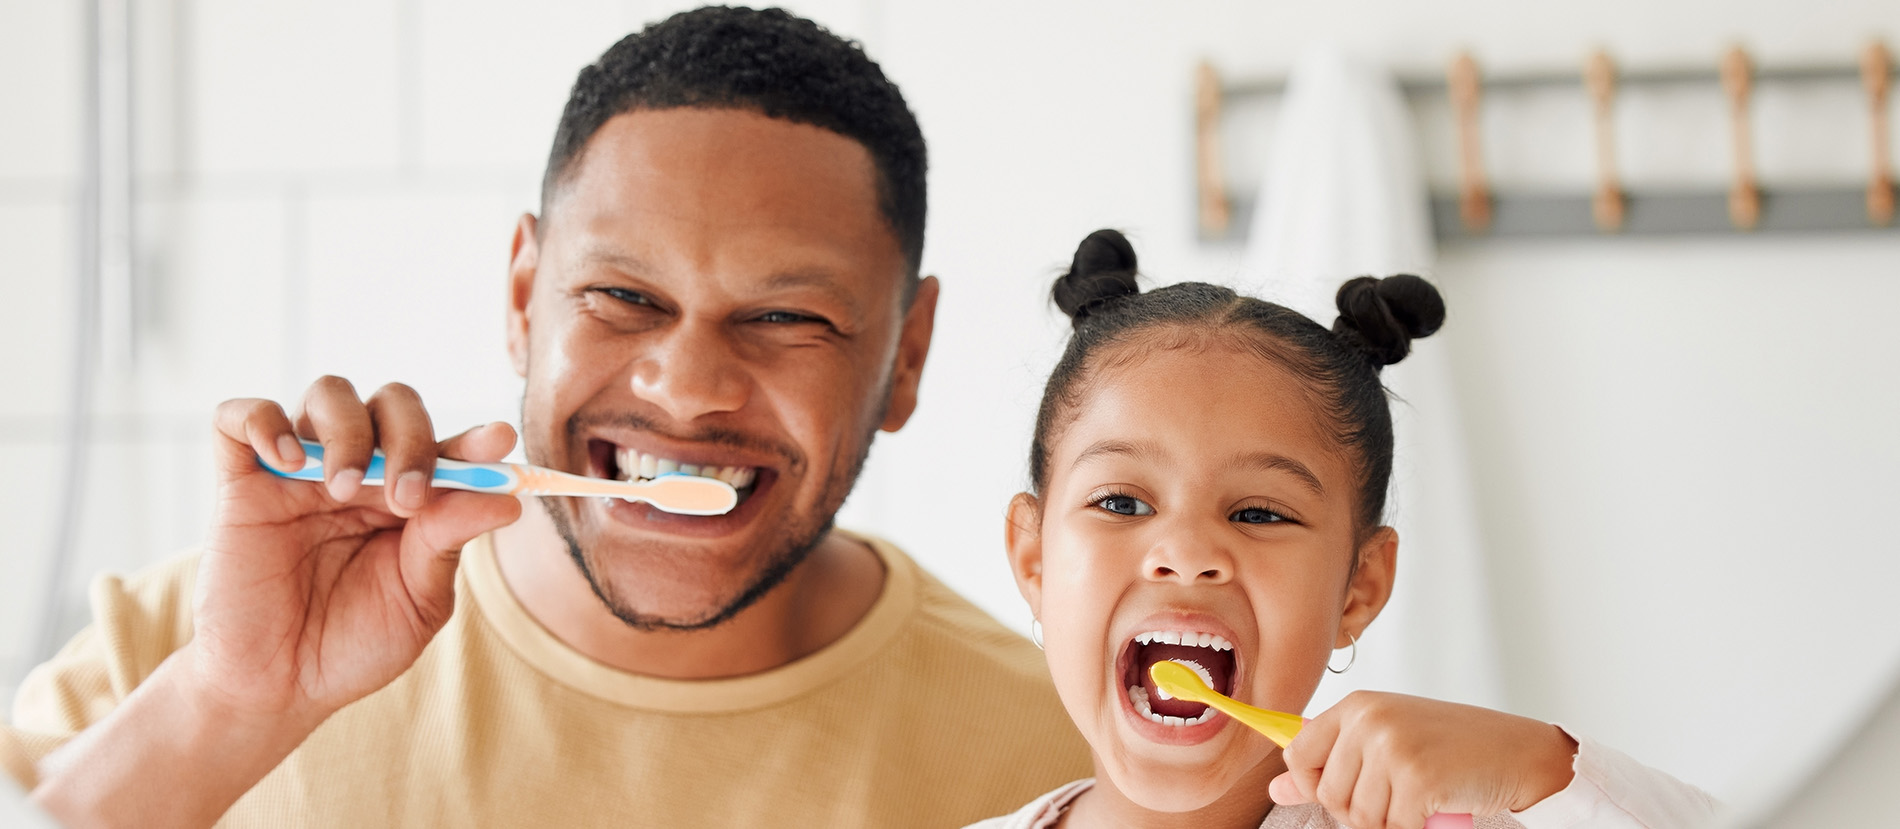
{"x":913,"y":345}
{"x":1371,"y":585}
{"x":523,"y":259}
{"x":1022,"y":538}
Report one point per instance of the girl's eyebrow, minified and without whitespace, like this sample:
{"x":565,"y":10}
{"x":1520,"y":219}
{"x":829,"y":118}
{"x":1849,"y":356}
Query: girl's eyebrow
{"x":1133,"y":449}
{"x":1270,"y":461}
{"x":1266,"y":461}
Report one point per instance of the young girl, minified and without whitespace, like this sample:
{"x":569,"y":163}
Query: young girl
{"x":1209,"y":473}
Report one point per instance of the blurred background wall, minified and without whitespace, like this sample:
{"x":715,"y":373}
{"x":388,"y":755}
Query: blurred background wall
{"x":1682,"y":447}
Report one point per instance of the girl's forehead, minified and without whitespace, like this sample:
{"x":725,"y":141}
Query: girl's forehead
{"x":1202,"y":401}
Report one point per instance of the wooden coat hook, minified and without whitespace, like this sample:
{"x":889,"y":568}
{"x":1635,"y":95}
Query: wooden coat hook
{"x":1215,"y":212}
{"x":1744,"y":195}
{"x":1474,"y":192}
{"x":1876,"y":69}
{"x":1606,"y":205}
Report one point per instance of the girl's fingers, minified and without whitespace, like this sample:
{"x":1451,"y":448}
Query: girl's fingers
{"x":1371,"y":800}
{"x":1285,"y":792}
{"x":487,"y":443}
{"x":1306,"y":756}
{"x":335,"y":417}
{"x":407,"y":440}
{"x":1339,"y":778}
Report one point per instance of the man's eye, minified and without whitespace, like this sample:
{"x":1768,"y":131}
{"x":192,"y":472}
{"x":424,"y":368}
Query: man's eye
{"x":785,"y":317}
{"x":1256,"y":515}
{"x":1125,"y":505}
{"x":629,"y":297}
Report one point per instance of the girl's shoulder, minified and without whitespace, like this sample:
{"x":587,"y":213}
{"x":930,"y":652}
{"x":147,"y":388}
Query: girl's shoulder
{"x":1042,"y":813}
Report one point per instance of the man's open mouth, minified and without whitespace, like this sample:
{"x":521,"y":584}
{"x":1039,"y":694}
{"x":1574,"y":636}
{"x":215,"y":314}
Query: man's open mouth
{"x":1207,"y":654}
{"x":620,"y":463}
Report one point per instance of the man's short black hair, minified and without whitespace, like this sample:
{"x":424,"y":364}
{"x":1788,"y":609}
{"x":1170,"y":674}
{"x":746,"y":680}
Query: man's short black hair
{"x":767,"y":61}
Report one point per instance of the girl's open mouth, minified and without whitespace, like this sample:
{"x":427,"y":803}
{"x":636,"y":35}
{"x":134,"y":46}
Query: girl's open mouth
{"x":1208,"y":654}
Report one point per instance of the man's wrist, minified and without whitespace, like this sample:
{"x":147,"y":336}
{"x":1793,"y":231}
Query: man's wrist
{"x":172,"y":754}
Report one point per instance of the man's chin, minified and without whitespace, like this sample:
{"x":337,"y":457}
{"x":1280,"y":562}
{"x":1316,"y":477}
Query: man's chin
{"x":662,"y":582}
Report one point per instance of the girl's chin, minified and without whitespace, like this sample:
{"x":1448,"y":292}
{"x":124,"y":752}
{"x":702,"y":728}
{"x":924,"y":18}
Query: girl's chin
{"x":1167,"y":789}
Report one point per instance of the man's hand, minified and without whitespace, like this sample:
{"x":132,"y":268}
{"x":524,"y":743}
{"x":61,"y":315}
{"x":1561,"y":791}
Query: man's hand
{"x":309,"y":597}
{"x":1389,"y":761}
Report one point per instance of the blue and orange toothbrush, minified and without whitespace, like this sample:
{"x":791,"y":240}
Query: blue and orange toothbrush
{"x":672,"y":492}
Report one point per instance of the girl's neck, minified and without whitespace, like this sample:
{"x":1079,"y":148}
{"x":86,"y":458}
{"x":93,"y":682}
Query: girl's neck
{"x":1243,"y":807}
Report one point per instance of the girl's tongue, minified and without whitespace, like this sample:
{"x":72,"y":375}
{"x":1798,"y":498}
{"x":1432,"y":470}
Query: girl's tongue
{"x":1216,"y":664}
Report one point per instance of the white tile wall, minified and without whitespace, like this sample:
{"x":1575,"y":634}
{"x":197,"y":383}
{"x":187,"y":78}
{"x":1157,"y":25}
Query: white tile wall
{"x":294,"y":86}
{"x":411,"y":286}
{"x":37,"y":317}
{"x":41,"y":61}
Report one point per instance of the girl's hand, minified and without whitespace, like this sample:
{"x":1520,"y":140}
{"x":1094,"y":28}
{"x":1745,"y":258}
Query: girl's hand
{"x":1389,"y":761}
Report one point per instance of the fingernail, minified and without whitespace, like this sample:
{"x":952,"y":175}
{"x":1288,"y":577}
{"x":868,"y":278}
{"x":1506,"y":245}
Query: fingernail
{"x":345,"y":483}
{"x":410,"y":489}
{"x":288,"y":448}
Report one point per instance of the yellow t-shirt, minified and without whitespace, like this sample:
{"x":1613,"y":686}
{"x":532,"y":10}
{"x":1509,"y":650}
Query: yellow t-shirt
{"x":947,"y":718}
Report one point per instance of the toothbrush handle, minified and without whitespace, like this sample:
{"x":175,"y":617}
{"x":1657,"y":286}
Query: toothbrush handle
{"x":449,"y":474}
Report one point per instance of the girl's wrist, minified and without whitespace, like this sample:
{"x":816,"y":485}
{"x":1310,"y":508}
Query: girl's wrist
{"x":1552,"y":758}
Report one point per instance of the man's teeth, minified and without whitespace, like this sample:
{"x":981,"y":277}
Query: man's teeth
{"x":634,"y":464}
{"x":1139,"y":696}
{"x":1190,"y":639}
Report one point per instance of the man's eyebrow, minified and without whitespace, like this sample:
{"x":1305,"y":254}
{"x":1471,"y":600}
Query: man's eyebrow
{"x":1271,"y":461}
{"x":822,"y":281}
{"x":1132,"y":449}
{"x":626,"y":263}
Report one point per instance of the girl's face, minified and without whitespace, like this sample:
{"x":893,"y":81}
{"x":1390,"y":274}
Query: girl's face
{"x":1197,"y":508}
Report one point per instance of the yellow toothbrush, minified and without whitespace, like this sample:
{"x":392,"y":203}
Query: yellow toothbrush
{"x":1180,"y":681}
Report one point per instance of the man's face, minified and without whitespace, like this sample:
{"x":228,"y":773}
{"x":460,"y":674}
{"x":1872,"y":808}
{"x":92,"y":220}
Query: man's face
{"x":713,"y":289}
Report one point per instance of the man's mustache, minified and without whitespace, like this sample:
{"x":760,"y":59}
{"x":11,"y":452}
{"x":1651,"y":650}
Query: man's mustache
{"x":728,"y":438}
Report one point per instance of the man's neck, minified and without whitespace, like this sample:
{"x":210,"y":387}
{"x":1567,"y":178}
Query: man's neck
{"x":819,"y":602}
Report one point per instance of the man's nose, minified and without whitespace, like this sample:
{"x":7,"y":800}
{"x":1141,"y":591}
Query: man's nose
{"x":690,"y":371}
{"x":1188,"y":557}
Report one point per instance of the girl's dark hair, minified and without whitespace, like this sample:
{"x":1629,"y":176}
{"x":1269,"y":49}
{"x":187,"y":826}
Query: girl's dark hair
{"x":1378,"y":319}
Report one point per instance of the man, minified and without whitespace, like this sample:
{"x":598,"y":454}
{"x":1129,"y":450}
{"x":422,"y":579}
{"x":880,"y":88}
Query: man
{"x":723,"y":276}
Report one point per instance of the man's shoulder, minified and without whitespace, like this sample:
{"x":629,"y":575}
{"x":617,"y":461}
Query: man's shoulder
{"x":945,"y":626}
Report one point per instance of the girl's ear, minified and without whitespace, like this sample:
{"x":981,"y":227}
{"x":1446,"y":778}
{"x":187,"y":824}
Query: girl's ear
{"x":1371,"y":585}
{"x":1022,"y":536}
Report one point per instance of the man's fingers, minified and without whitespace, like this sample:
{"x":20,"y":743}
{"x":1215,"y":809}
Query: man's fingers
{"x":407,"y":439}
{"x":487,"y":443}
{"x":336,"y":418}
{"x":432,"y":546}
{"x":251,"y":428}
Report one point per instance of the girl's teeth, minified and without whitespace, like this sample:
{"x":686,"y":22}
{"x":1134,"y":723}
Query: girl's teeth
{"x":1139,"y":697}
{"x":1187,"y":638}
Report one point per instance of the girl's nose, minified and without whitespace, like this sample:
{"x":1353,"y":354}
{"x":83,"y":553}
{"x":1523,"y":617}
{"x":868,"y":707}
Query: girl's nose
{"x":689,"y":372}
{"x":1189,"y":560}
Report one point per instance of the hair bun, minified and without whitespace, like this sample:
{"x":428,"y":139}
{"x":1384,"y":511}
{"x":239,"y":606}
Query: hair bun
{"x":1103,"y":271}
{"x":1382,"y":317}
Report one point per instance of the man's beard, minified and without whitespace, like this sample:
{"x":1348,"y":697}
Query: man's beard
{"x":800,"y":536}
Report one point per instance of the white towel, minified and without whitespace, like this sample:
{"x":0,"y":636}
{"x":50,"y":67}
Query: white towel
{"x":1344,"y":197}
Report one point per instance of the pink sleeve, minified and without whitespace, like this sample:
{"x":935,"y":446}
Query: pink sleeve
{"x":1612,"y":791}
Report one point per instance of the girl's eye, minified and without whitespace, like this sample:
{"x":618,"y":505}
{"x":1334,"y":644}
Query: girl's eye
{"x":1256,"y":515}
{"x":1125,"y":505}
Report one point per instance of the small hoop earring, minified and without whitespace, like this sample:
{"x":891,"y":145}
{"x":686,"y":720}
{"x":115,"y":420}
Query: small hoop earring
{"x":1354,"y":657}
{"x":1035,"y":632}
